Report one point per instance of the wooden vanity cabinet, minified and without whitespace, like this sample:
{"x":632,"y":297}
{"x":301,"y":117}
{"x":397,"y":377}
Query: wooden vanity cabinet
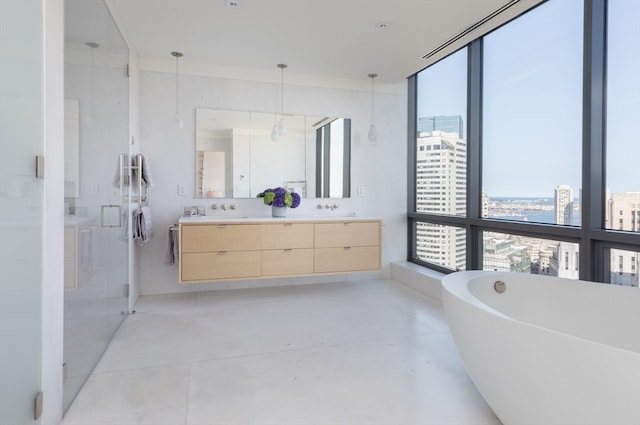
{"x":346,"y":247}
{"x":219,"y":251}
{"x":224,"y":251}
{"x":287,"y":249}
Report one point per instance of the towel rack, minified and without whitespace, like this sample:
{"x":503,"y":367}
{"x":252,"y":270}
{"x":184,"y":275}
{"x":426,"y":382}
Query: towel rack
{"x":137,"y":165}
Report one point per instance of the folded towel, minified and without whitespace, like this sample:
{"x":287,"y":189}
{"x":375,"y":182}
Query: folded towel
{"x":145,"y":224}
{"x":171,"y":255}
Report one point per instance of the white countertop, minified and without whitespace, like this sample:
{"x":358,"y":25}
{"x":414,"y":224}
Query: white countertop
{"x":204,"y":219}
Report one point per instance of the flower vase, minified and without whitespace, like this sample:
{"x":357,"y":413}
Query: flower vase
{"x":278,"y":211}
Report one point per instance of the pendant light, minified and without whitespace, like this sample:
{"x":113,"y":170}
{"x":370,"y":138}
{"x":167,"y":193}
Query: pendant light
{"x":373,"y":132}
{"x":274,"y":131}
{"x":280,"y":129}
{"x":178,"y":122}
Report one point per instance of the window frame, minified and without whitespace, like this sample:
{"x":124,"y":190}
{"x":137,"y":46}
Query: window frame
{"x":595,"y":242}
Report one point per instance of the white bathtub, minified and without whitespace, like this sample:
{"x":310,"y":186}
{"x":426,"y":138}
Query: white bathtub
{"x":548,"y":350}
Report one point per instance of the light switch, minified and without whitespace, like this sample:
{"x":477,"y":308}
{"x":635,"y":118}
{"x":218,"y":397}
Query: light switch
{"x":181,"y":190}
{"x":360,"y":190}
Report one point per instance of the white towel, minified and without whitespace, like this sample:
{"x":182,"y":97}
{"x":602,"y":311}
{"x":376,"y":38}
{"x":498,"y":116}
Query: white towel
{"x":145,"y":224}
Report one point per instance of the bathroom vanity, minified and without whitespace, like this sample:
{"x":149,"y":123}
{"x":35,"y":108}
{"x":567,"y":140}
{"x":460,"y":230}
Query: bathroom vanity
{"x":214,"y":249}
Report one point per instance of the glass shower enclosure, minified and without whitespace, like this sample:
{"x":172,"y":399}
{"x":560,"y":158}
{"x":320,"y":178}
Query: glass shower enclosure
{"x":96,"y":187}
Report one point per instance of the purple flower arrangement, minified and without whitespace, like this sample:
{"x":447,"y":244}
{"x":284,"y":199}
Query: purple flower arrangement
{"x":280,"y":197}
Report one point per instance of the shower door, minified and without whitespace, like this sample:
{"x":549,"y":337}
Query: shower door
{"x":21,"y":206}
{"x":96,"y":294}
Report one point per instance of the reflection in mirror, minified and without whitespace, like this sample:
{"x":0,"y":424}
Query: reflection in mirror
{"x":333,"y":158}
{"x":237,"y":157}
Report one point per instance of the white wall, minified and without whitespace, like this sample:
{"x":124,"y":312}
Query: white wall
{"x":379,"y":167}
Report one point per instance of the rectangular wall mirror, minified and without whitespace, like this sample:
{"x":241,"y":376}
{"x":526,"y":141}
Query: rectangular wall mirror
{"x":238,"y":155}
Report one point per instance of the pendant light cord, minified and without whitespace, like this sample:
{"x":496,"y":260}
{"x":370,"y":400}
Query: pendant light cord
{"x":372,"y":76}
{"x":282,"y":66}
{"x":177,"y":88}
{"x":177,"y":55}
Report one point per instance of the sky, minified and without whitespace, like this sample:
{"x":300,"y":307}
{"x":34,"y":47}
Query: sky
{"x":532,"y":105}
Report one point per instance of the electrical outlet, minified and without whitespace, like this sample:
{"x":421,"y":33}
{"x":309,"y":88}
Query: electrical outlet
{"x":360,"y":190}
{"x":94,"y":189}
{"x":181,"y":190}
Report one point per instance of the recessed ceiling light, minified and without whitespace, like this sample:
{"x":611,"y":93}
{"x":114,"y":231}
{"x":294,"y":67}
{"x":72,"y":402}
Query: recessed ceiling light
{"x":383,"y":25}
{"x":231,"y":3}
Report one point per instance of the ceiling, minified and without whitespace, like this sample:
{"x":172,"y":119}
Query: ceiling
{"x":337,"y":39}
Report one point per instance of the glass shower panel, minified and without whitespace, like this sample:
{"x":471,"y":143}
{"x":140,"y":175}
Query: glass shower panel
{"x":97,"y":270}
{"x":118,"y":138}
{"x":21,"y":202}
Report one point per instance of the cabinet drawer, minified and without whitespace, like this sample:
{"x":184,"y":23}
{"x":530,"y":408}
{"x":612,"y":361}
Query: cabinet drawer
{"x":287,"y":235}
{"x":348,"y":259}
{"x":219,"y":265}
{"x":346,"y":234}
{"x":220,"y":237}
{"x":284,"y":262}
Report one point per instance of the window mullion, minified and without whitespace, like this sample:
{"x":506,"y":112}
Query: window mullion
{"x":593,"y":127}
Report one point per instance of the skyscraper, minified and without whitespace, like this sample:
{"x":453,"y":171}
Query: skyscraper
{"x":564,"y":204}
{"x":441,"y":189}
{"x":444,"y":123}
{"x":623,"y":213}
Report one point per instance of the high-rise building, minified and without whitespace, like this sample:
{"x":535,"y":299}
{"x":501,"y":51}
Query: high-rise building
{"x":504,"y":254}
{"x":565,"y":261}
{"x":484,"y":208}
{"x":444,"y":123}
{"x":564,"y":204}
{"x":441,"y":189}
{"x":623,"y":213}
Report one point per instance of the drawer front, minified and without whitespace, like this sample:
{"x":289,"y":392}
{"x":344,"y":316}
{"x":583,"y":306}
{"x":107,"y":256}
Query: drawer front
{"x":284,"y":262}
{"x":220,"y":237}
{"x":287,"y":235}
{"x":204,"y":266}
{"x":349,"y":259}
{"x":347,"y":233}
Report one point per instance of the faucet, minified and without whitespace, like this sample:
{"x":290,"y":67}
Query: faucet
{"x":223,"y":207}
{"x":328,"y":207}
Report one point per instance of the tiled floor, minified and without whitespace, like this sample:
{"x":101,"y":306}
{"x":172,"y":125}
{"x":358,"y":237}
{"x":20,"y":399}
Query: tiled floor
{"x":370,"y":352}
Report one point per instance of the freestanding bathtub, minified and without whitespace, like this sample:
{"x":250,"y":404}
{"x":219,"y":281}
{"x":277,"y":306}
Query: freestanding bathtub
{"x":548,"y":350}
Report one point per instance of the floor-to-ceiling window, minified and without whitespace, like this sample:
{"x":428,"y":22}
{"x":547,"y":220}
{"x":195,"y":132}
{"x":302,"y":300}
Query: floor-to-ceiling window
{"x":622,"y":179}
{"x":441,"y":160}
{"x":551,"y":182}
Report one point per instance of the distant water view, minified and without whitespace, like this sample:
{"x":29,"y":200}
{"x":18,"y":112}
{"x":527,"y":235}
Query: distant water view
{"x":533,"y":209}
